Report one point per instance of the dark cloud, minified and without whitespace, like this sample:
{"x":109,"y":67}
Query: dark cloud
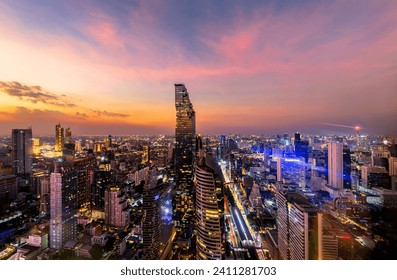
{"x":34,"y":94}
{"x":81,"y":115}
{"x":109,"y":114}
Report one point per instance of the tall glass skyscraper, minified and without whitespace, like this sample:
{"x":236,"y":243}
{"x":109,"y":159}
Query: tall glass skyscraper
{"x":185,"y":131}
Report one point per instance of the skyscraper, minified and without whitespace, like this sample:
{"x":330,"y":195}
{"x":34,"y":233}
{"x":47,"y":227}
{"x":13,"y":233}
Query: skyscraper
{"x":22,"y":149}
{"x":301,"y":147}
{"x":347,"y":181}
{"x":84,"y":166}
{"x":68,"y":136}
{"x":209,"y":209}
{"x":184,"y":155}
{"x":102,"y":179}
{"x":59,"y":138}
{"x":151,"y":217}
{"x":63,"y":202}
{"x":146,"y":154}
{"x":335,"y":165}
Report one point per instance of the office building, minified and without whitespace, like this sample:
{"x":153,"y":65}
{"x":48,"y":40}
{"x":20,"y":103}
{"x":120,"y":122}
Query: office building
{"x":102,"y":179}
{"x":84,"y":166}
{"x":22,"y":150}
{"x":335,"y":165}
{"x":291,"y":170}
{"x":209,"y":209}
{"x":301,"y":147}
{"x":347,"y":181}
{"x":59,"y":138}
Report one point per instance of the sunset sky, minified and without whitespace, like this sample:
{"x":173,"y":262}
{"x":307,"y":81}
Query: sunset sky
{"x":109,"y":67}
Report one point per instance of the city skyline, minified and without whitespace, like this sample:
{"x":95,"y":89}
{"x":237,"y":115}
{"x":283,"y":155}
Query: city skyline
{"x":254,"y":68}
{"x":193,"y":197}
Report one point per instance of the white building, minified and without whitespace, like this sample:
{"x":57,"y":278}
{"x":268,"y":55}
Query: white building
{"x":335,"y":165}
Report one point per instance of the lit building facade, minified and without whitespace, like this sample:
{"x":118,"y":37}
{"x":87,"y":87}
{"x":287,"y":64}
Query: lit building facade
{"x":209,"y":209}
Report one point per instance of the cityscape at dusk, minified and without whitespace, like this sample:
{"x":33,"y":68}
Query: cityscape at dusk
{"x":198,"y":130}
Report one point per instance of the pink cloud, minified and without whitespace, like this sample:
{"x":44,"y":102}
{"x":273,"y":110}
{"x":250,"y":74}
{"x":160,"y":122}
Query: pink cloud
{"x":284,"y":58}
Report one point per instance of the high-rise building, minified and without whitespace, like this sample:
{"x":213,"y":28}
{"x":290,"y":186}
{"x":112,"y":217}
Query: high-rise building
{"x":347,"y":181}
{"x":68,"y":136}
{"x":301,"y":147}
{"x":335,"y":165}
{"x":59,"y":138}
{"x":146,"y":154}
{"x":279,"y":169}
{"x":117,"y":213}
{"x":63,"y":206}
{"x":358,"y":142}
{"x":185,"y":131}
{"x":22,"y":150}
{"x":209,"y":209}
{"x":222,"y":148}
{"x":299,"y":227}
{"x":151,"y":219}
{"x":84,"y":167}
